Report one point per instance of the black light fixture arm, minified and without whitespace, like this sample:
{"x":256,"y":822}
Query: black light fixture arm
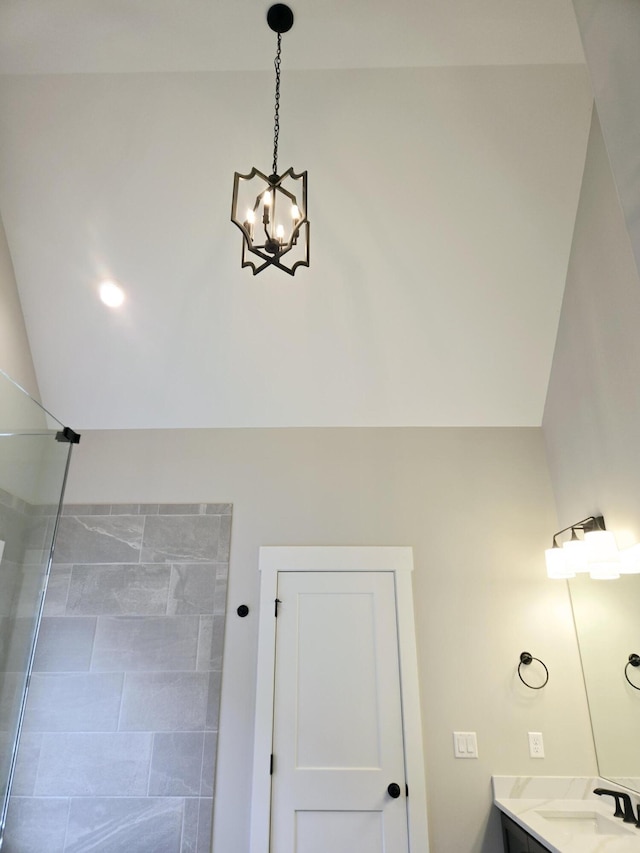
{"x":592,"y":522}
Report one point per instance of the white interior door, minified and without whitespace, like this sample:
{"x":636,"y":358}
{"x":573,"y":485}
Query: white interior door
{"x":337,"y":724}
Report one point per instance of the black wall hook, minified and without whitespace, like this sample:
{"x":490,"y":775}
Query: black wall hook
{"x":525,"y":659}
{"x":242,"y":611}
{"x":634,"y":660}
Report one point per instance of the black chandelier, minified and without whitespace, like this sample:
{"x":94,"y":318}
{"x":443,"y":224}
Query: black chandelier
{"x":271,"y":211}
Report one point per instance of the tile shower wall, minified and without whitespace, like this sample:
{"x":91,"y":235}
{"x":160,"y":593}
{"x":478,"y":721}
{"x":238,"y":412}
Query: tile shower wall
{"x":14,"y":518}
{"x":119,"y":742}
{"x":26,"y":532}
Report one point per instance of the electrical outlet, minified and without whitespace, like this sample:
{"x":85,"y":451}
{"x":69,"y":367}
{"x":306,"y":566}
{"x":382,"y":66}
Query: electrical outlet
{"x":465,"y":745}
{"x":536,"y":745}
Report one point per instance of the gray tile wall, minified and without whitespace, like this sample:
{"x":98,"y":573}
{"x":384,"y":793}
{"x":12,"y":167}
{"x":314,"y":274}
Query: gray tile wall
{"x":120,"y":734}
{"x":26,"y":531}
{"x":13,"y":522}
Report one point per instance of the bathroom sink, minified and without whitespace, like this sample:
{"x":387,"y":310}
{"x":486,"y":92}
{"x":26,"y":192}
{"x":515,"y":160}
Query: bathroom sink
{"x":585,"y":822}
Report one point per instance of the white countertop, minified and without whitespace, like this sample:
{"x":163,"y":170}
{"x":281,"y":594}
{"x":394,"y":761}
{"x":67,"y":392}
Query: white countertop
{"x":550,"y":808}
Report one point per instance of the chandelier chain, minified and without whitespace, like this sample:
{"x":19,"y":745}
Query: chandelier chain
{"x":276,"y":116}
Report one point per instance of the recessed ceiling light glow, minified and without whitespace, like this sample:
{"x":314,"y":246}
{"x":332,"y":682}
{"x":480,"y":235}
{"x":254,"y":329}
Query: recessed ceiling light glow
{"x":111,"y":294}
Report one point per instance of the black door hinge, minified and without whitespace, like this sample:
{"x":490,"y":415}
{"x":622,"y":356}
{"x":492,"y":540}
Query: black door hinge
{"x":407,"y":787}
{"x":271,"y":765}
{"x":277,"y":603}
{"x":69,"y":435}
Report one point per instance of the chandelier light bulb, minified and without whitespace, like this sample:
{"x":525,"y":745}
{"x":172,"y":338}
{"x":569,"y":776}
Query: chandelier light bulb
{"x":251,"y":217}
{"x":280,"y":232}
{"x":295,"y":212}
{"x":266,"y":198}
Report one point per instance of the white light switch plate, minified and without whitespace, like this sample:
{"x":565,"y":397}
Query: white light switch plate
{"x":465,"y":745}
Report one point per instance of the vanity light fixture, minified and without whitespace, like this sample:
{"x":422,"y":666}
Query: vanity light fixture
{"x":596,"y":553}
{"x":630,"y":560}
{"x":271,"y":211}
{"x":591,"y":548}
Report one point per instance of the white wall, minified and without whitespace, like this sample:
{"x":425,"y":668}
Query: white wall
{"x":403,"y":317}
{"x":476,"y":506}
{"x":610,"y":34}
{"x":15,"y":354}
{"x":592,"y":415}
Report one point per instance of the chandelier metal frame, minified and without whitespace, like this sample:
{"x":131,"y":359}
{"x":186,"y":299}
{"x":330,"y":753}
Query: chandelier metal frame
{"x":274,"y":224}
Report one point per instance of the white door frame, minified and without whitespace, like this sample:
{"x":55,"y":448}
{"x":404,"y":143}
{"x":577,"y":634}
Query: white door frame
{"x":398,"y":560}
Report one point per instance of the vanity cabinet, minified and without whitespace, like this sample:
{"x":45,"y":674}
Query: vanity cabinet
{"x":516,"y":840}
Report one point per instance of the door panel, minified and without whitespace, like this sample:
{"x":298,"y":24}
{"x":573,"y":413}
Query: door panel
{"x":339,"y":832}
{"x":337,"y":720}
{"x":337,"y":738}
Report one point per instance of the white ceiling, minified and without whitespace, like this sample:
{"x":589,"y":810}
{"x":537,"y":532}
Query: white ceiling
{"x":444,"y":143}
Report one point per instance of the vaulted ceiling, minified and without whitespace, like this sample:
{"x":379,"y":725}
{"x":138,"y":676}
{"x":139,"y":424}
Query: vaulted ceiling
{"x":444,"y":141}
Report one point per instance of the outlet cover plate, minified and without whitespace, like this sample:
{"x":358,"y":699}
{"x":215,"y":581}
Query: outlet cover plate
{"x":536,"y":745}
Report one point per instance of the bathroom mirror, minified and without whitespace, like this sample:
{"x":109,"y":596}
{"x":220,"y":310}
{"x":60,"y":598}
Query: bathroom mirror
{"x":608,"y":630}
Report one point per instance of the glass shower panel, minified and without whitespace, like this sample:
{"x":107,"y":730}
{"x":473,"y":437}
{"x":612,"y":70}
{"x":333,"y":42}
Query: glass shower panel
{"x":34,"y":455}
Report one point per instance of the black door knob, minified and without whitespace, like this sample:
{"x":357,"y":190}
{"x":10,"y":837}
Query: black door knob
{"x":394,"y":790}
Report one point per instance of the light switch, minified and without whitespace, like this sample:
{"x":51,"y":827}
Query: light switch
{"x":465,"y":745}
{"x":1,"y":548}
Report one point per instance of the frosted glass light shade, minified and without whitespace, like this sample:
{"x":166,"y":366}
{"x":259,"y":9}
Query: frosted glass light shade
{"x":575,"y":553}
{"x":604,"y":571}
{"x":601,"y":547}
{"x":630,"y":560}
{"x":557,"y":567}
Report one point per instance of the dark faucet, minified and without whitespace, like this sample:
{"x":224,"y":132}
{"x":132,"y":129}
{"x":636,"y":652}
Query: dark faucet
{"x":627,"y":815}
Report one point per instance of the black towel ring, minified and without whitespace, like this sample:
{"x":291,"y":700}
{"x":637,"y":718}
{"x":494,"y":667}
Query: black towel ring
{"x":526,"y":658}
{"x":634,"y":660}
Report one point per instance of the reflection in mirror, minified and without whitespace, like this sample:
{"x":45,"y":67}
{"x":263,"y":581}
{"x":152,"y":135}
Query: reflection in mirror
{"x":33,"y":463}
{"x":608,"y":630}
